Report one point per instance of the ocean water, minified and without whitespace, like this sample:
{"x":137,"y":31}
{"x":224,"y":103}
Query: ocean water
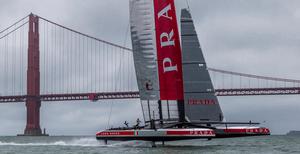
{"x":89,"y":145}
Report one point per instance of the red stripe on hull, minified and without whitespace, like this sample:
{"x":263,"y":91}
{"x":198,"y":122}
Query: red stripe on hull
{"x":116,"y":133}
{"x":208,"y":132}
{"x":247,"y":130}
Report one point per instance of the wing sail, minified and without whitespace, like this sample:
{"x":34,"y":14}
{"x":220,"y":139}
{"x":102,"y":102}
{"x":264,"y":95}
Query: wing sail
{"x":157,"y":57}
{"x":201,"y":104}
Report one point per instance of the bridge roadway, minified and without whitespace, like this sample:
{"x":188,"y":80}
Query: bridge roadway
{"x":135,"y":95}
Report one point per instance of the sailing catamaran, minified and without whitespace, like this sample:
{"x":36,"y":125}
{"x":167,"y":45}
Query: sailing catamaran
{"x":177,"y":95}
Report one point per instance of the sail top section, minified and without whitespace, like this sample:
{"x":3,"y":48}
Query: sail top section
{"x":188,"y":32}
{"x":156,"y":49}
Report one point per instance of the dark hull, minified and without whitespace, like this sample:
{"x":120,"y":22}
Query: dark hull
{"x":154,"y":139}
{"x":238,"y":135}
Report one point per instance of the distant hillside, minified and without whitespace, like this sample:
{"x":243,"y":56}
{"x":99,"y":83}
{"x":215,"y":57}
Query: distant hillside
{"x":294,"y":133}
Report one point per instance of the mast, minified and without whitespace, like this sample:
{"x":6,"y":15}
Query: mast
{"x":160,"y":112}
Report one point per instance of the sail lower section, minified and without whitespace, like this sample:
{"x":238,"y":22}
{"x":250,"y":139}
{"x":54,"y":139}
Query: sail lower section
{"x":201,"y":104}
{"x":160,"y":111}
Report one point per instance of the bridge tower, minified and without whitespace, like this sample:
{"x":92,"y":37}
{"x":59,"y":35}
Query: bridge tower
{"x":33,"y":102}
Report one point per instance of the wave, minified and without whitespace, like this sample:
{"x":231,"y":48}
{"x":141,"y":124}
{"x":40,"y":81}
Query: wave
{"x":84,"y":142}
{"x":131,"y":144}
{"x":81,"y":142}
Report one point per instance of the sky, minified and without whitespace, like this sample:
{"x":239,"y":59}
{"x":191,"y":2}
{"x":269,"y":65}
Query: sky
{"x":257,"y":37}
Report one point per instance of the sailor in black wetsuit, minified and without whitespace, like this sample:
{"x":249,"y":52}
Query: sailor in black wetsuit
{"x":126,"y":124}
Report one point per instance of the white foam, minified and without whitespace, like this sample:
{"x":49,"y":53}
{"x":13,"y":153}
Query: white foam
{"x":84,"y":142}
{"x":81,"y":142}
{"x":131,"y":144}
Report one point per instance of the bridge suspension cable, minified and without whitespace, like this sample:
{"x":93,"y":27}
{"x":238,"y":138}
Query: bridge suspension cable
{"x":86,"y":35}
{"x":253,"y":76}
{"x":80,"y":63}
{"x":13,"y":63}
{"x":14,"y":24}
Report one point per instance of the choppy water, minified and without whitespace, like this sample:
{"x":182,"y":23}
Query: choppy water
{"x":86,"y":145}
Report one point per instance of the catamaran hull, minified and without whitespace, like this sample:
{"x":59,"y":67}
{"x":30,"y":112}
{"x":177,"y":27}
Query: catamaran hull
{"x":155,"y":135}
{"x":181,"y":134}
{"x":232,"y":132}
{"x":153,"y":139}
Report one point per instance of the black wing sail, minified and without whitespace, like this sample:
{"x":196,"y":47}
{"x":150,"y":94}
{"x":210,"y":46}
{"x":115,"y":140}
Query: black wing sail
{"x":201,"y":104}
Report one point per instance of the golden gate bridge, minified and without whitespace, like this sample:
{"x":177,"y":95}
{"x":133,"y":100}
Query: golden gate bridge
{"x":43,"y":61}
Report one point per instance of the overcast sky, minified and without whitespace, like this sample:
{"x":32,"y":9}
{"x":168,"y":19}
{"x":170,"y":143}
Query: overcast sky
{"x":252,"y":36}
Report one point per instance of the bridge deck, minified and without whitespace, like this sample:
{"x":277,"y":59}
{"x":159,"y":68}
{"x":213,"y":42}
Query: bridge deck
{"x":135,"y":95}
